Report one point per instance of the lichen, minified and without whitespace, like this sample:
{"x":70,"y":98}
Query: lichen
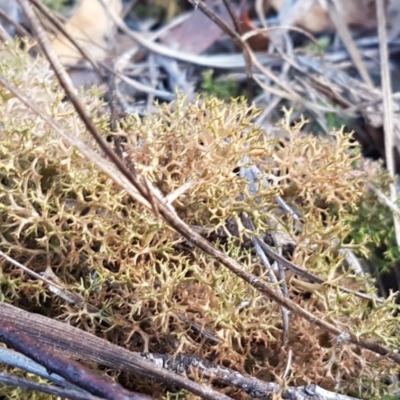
{"x":58,"y":209}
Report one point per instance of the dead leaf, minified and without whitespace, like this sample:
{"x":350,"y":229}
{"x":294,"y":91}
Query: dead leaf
{"x":197,"y":33}
{"x":258,"y":42}
{"x":90,"y":26}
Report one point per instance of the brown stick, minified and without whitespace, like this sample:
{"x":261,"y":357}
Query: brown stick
{"x":70,"y":370}
{"x":67,"y":340}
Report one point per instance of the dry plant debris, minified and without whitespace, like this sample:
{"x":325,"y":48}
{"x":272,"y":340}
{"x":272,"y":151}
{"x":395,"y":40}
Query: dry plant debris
{"x":59,"y":211}
{"x":91,"y":27}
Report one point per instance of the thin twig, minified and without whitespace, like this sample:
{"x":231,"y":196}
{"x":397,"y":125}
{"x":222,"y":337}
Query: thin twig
{"x":288,"y":364}
{"x":228,"y":30}
{"x":18,"y":27}
{"x":49,"y":15}
{"x":248,"y":223}
{"x":231,"y":12}
{"x":26,"y":384}
{"x":274,"y":280}
{"x":384,"y":199}
{"x":18,"y":360}
{"x":344,"y":33}
{"x":33,"y":274}
{"x":311,"y":277}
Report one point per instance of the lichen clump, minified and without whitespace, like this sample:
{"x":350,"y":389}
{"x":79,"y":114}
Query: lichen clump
{"x":153,"y":288}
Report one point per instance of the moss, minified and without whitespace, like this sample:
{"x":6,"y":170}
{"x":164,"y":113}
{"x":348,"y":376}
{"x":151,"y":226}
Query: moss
{"x":57,"y":5}
{"x":223,"y":90}
{"x":57,"y":208}
{"x":373,"y":223}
